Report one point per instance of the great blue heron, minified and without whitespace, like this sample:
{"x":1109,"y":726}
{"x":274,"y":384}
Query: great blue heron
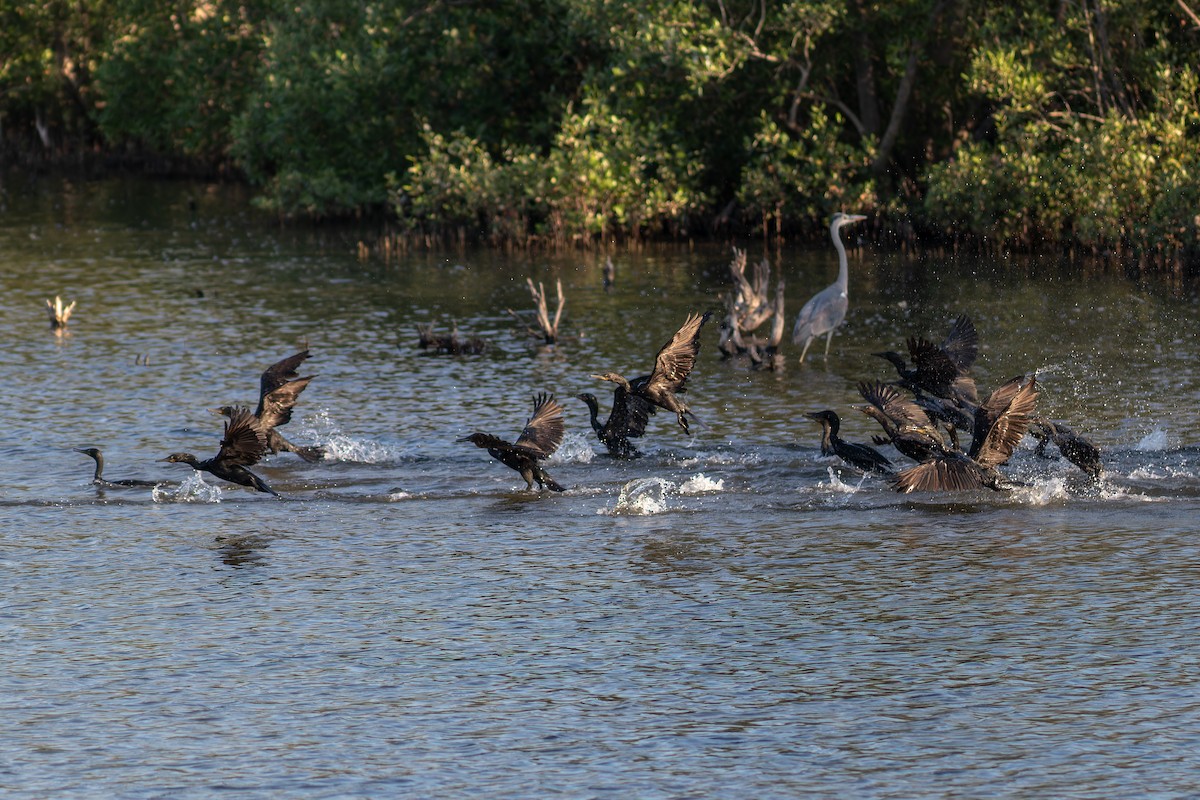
{"x":278,"y":389}
{"x":826,"y":310}
{"x":865,"y":457}
{"x":672,"y":366}
{"x":242,"y":446}
{"x":542,"y":435}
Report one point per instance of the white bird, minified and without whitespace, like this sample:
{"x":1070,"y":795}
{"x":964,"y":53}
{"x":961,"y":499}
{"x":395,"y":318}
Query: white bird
{"x":826,"y":310}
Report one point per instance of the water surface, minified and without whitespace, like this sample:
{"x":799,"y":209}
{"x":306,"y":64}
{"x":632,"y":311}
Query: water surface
{"x":731,"y":615}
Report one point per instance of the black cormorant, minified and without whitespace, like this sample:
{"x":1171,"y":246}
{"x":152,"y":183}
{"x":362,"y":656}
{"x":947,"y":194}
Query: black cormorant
{"x":1000,"y":422}
{"x":1073,"y":447}
{"x":671,"y":368}
{"x":904,"y":423}
{"x":628,"y":420}
{"x":242,"y":446}
{"x":279,"y":388}
{"x":542,"y":435}
{"x":99,"y":479}
{"x":865,"y":457}
{"x":941,"y":370}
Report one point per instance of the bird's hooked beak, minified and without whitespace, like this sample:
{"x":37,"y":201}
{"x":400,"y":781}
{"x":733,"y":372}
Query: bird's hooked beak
{"x":813,"y":415}
{"x":215,"y":412}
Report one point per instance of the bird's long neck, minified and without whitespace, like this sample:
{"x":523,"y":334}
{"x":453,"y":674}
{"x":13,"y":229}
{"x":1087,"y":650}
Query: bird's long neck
{"x":843,"y":279}
{"x":594,"y":411}
{"x":99,"y":476}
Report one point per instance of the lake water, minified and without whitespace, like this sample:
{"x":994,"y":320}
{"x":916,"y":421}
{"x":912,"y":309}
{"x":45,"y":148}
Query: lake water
{"x":732,"y":615}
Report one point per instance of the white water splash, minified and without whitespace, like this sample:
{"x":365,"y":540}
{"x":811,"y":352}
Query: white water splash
{"x":340,"y":447}
{"x":720,"y":459}
{"x":1154,"y":441}
{"x":701,"y":484}
{"x":191,"y":489}
{"x":575,"y":449}
{"x":836,"y":484}
{"x":1043,"y":492}
{"x":397,"y":494}
{"x":643,"y":496}
{"x":361,"y":451}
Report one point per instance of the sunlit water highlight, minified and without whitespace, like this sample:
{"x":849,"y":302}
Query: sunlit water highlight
{"x":731,"y":615}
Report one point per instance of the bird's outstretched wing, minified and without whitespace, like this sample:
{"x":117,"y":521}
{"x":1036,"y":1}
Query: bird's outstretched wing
{"x":275,"y":407}
{"x":544,"y":431}
{"x":1002,"y":420}
{"x":675,"y":360}
{"x":962,"y":343}
{"x":950,"y":473}
{"x":280,"y":373}
{"x":244,"y":441}
{"x":935,"y":369}
{"x":901,"y":410}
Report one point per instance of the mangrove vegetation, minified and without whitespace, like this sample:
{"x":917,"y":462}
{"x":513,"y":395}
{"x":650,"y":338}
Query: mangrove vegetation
{"x":1067,"y":123}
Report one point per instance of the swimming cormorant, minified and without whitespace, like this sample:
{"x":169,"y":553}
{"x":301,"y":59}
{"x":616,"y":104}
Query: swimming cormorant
{"x":279,"y":388}
{"x":99,"y":479}
{"x":824,"y":312}
{"x":242,"y":446}
{"x":628,"y":420}
{"x":1073,"y":447}
{"x":865,"y":457}
{"x":672,"y":366}
{"x":542,"y":435}
{"x":1000,"y":422}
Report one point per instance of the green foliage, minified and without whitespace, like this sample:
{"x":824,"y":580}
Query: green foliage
{"x":174,"y":78}
{"x":809,"y":176}
{"x":573,"y":120}
{"x":602,"y":175}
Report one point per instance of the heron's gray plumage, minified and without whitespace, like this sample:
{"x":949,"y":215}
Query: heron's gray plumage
{"x":825,"y":311}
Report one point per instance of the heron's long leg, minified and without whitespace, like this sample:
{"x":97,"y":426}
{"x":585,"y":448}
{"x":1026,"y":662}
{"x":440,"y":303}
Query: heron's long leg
{"x":828,"y":339}
{"x":805,"y":350}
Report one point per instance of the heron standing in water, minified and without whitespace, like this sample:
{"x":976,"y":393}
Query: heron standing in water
{"x":826,"y":310}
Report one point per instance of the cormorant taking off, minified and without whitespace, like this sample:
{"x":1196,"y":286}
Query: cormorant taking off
{"x":671,"y":368}
{"x":1073,"y":447}
{"x":1000,"y":422}
{"x":99,"y":479}
{"x":866,"y":458}
{"x":904,"y":423}
{"x":628,"y":420}
{"x":242,"y":446}
{"x":827,"y":308}
{"x":279,"y":388}
{"x":542,"y":435}
{"x":942,"y":371}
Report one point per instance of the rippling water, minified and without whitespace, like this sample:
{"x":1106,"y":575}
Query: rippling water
{"x":732,"y":615}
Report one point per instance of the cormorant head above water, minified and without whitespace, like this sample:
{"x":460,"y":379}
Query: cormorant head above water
{"x":98,"y":476}
{"x":862,"y":456}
